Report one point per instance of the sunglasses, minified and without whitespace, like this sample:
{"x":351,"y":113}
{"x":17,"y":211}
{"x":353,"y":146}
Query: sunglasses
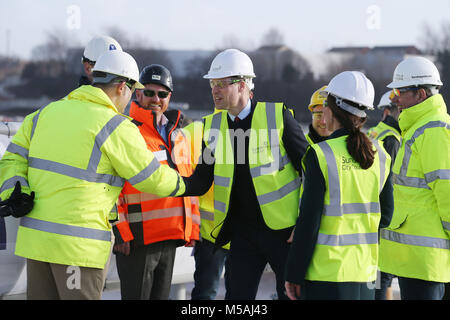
{"x":151,"y":93}
{"x":223,"y":83}
{"x":399,"y":91}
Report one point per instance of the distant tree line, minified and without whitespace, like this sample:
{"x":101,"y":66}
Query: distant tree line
{"x":282,"y":74}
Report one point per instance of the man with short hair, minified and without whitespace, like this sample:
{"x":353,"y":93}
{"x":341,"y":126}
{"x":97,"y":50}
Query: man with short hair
{"x":75,"y":155}
{"x":416,"y":245}
{"x":251,"y":151}
{"x":151,"y":228}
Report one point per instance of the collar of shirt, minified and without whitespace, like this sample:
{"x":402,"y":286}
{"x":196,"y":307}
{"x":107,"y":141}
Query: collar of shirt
{"x":161,"y":127}
{"x":244,"y":112}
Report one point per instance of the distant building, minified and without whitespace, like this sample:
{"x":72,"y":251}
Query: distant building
{"x":379,"y":61}
{"x":349,"y":50}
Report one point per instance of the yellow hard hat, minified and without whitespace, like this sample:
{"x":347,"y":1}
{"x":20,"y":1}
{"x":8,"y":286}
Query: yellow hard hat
{"x":316,"y":98}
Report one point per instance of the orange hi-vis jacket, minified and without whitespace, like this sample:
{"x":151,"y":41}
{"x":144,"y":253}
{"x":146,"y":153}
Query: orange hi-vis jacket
{"x":144,"y":217}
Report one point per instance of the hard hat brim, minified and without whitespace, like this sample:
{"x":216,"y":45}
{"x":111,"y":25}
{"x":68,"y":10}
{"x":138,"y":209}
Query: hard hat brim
{"x":139,"y":85}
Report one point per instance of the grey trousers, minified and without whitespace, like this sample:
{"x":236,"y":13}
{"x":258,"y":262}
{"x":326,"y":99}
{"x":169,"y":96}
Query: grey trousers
{"x":146,"y":274}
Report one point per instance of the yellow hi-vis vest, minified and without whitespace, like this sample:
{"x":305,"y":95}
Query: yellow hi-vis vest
{"x":75,"y":154}
{"x":381,"y":131}
{"x":275,"y":180}
{"x":347,"y":243}
{"x":194,"y":133}
{"x":417,"y":242}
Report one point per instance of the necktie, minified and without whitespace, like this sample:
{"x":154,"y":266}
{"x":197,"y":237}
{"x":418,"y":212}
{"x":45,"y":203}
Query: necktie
{"x":236,"y":120}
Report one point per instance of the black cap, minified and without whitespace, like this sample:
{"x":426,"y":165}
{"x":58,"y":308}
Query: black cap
{"x":156,"y":73}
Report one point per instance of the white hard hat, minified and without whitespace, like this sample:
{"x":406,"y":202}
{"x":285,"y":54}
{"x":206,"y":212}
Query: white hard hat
{"x":98,"y":46}
{"x":385,"y":100}
{"x":352,"y":86}
{"x":117,"y":63}
{"x":415,"y":71}
{"x":229,"y":63}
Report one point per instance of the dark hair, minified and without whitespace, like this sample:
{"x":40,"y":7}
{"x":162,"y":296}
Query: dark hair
{"x":358,"y":144}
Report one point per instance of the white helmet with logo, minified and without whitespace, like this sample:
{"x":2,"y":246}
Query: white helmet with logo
{"x":415,"y":71}
{"x":230,"y":63}
{"x":352,"y":86}
{"x":98,"y":46}
{"x":117,"y":63}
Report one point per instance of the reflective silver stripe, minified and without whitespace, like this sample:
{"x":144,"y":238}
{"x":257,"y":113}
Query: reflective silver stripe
{"x":347,"y":239}
{"x":280,"y":193}
{"x":90,"y":173}
{"x":161,"y":155}
{"x":415,"y":182}
{"x":446,"y":225}
{"x":64,"y":229}
{"x":139,"y":197}
{"x":34,"y":121}
{"x":155,"y":214}
{"x":385,"y":132}
{"x":352,"y":208}
{"x":219,"y":205}
{"x":74,"y":172}
{"x":16,"y":149}
{"x":382,"y":160}
{"x":215,"y":127}
{"x":335,"y":208}
{"x":382,"y":134}
{"x":410,"y":181}
{"x":100,"y":139}
{"x":177,"y":187}
{"x":147,"y":172}
{"x":11,"y":183}
{"x":442,"y":174}
{"x":333,"y":181}
{"x":410,"y":142}
{"x":194,"y":201}
{"x":257,"y":171}
{"x":413,"y":240}
{"x":272,"y":123}
{"x":195,"y":219}
{"x":206,"y":215}
{"x":222,"y":181}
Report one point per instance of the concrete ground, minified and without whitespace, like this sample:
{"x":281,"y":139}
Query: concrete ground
{"x":266,"y":290}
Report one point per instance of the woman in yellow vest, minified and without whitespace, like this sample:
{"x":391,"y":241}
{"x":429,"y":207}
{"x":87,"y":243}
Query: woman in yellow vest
{"x":334,"y":253}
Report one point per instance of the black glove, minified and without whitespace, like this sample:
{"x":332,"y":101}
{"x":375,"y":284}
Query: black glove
{"x":18,"y":205}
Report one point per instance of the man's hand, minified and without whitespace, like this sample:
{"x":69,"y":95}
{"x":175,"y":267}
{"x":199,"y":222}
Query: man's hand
{"x":292,"y":290}
{"x":18,"y":205}
{"x":190,"y":243}
{"x":123,"y":248}
{"x":291,"y":238}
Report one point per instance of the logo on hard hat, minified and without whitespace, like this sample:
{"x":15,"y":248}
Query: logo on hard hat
{"x":399,"y":77}
{"x":424,"y":76}
{"x":112,"y":47}
{"x":156,"y":77}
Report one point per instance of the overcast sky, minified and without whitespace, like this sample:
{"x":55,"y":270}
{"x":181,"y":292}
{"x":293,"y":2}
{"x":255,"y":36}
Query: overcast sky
{"x":307,"y":26}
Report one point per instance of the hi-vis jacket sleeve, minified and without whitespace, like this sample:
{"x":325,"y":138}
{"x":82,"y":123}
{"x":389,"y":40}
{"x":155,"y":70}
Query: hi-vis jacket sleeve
{"x":14,"y":164}
{"x":129,"y":156}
